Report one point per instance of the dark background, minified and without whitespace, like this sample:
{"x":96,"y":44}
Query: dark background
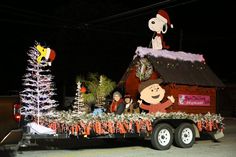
{"x":102,"y":36}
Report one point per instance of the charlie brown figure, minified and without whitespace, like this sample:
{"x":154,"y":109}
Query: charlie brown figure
{"x":152,"y":93}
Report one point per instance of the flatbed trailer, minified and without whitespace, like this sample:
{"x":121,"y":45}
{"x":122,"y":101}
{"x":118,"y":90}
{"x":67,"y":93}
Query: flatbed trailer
{"x":162,"y":132}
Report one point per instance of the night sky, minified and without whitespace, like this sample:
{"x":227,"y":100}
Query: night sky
{"x":102,"y":36}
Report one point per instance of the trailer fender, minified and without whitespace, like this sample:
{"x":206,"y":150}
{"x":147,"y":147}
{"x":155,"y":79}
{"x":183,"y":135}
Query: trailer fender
{"x":197,"y":134}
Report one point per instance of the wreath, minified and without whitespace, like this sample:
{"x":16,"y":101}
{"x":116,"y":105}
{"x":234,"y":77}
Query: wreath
{"x":144,"y":69}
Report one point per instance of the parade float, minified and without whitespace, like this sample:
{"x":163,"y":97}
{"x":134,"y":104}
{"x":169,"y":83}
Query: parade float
{"x":174,"y":92}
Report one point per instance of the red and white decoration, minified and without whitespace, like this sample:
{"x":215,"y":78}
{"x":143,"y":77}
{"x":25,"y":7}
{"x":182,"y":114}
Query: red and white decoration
{"x":37,"y":97}
{"x":47,"y":53}
{"x":159,"y":25}
{"x":104,"y":124}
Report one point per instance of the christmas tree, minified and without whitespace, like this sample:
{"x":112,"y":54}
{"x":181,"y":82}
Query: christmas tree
{"x":99,"y":87}
{"x":39,"y":90}
{"x":105,"y":87}
{"x":79,"y":105}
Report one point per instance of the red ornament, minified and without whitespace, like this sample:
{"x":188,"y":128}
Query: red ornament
{"x":72,"y":130}
{"x":210,"y":125}
{"x":83,"y":89}
{"x":121,"y":128}
{"x":148,"y":125}
{"x":83,"y":126}
{"x":76,"y":130}
{"x":98,"y":127}
{"x":111,"y":128}
{"x":138,"y":127}
{"x":88,"y":128}
{"x":199,"y":125}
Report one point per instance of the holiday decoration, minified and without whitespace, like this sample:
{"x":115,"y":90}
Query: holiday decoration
{"x":144,"y":69}
{"x":186,"y":79}
{"x":39,"y":90}
{"x":104,"y":124}
{"x":46,"y":53}
{"x":98,"y":88}
{"x":185,"y":76}
{"x":174,"y":55}
{"x":159,"y":25}
{"x":152,"y":93}
{"x":83,"y":89}
{"x":98,"y":111}
{"x":79,"y":105}
{"x":40,"y":129}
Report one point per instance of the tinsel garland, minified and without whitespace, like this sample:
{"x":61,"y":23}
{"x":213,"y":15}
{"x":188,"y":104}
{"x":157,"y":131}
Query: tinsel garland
{"x":104,"y":124}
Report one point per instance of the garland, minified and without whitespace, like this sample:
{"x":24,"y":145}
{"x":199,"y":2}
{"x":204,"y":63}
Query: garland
{"x":144,"y":69}
{"x":104,"y":124}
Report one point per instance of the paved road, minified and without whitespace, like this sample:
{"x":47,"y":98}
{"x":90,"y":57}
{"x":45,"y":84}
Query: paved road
{"x":141,"y":148}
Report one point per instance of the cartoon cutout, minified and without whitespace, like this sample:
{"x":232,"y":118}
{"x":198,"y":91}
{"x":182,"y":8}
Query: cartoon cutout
{"x":159,"y":24}
{"x":47,"y":53}
{"x":152,"y":93}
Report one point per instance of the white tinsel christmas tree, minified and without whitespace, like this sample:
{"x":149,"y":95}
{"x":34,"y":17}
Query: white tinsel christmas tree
{"x":79,"y":105}
{"x":37,"y":95}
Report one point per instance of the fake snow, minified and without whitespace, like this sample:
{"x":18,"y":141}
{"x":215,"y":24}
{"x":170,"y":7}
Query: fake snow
{"x":175,"y":55}
{"x":39,"y":129}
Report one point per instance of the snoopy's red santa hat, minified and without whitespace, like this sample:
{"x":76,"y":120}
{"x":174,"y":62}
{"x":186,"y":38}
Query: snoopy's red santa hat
{"x":50,"y":55}
{"x":163,"y":15}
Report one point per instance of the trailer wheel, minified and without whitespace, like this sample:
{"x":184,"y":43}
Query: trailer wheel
{"x":162,"y":136}
{"x":184,"y":135}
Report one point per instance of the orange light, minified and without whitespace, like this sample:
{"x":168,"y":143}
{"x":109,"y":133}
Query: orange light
{"x":17,"y":117}
{"x":83,"y":89}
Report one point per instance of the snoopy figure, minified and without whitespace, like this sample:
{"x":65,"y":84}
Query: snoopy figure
{"x":159,"y":25}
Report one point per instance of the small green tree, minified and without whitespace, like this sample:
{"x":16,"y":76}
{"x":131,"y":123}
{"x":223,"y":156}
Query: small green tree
{"x":99,"y":88}
{"x":105,"y":87}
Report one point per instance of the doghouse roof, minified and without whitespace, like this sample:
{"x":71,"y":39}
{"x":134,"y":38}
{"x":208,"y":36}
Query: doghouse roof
{"x":179,"y":67}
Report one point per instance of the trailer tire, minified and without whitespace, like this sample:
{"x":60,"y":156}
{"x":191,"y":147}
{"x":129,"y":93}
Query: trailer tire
{"x":184,"y":135}
{"x":162,"y":136}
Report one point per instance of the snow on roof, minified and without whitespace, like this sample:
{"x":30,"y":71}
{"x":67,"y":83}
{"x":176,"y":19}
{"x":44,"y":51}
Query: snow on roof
{"x":175,"y":55}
